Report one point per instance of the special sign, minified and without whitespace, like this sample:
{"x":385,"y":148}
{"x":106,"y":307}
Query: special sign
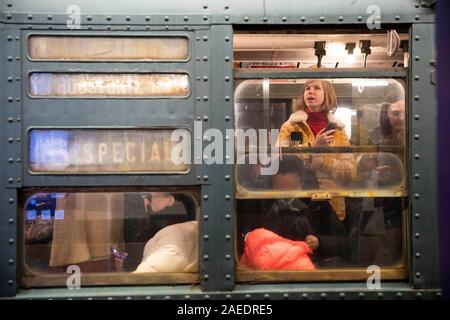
{"x":102,"y":151}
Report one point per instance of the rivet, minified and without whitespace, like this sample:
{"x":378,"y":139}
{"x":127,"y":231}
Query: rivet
{"x":129,"y":298}
{"x":9,"y":58}
{"x":397,"y":17}
{"x":108,"y":27}
{"x":88,"y":18}
{"x":227,"y":177}
{"x":9,"y":4}
{"x":205,"y":217}
{"x":110,"y":298}
{"x":304,"y":296}
{"x":10,"y":180}
{"x":206,"y":237}
{"x":286,"y":296}
{"x":147,"y":18}
{"x":227,"y":18}
{"x":205,"y":98}
{"x":205,"y":18}
{"x":416,"y":117}
{"x":10,"y":99}
{"x":205,"y":38}
{"x":227,"y":98}
{"x":227,"y":58}
{"x":108,"y":18}
{"x":206,"y":297}
{"x":248,"y":296}
{"x":166,"y":18}
{"x":205,"y":257}
{"x":342,"y":295}
{"x":49,"y":17}
{"x":227,"y":78}
{"x":167,"y":297}
{"x":380,"y":295}
{"x":11,"y":261}
{"x":227,"y":38}
{"x":416,"y":196}
{"x":439,"y":294}
{"x":416,"y":97}
{"x":322,"y":19}
{"x":197,"y":78}
{"x":10,"y":119}
{"x":341,"y":18}
{"x":417,"y":58}
{"x":228,"y":297}
{"x":18,"y":160}
{"x":227,"y":217}
{"x":265,"y":19}
{"x":416,"y":137}
{"x":11,"y":241}
{"x":8,"y":16}
{"x":266,"y":296}
{"x":416,"y":77}
{"x":417,"y":235}
{"x":361,"y":295}
{"x":323,"y":295}
{"x":205,"y":78}
{"x":227,"y":237}
{"x":10,"y":140}
{"x":187,"y":297}
{"x":205,"y":6}
{"x":417,"y":215}
{"x":227,"y":256}
{"x":417,"y":5}
{"x":419,"y":295}
{"x":417,"y":38}
{"x":10,"y":79}
{"x":433,"y":62}
{"x":128,"y":18}
{"x":18,"y":79}
{"x":10,"y":160}
{"x":205,"y":177}
{"x":417,"y":274}
{"x":18,"y":119}
{"x":228,"y":277}
{"x":205,"y":58}
{"x":359,"y":18}
{"x":89,"y":27}
{"x":205,"y":197}
{"x":227,"y":7}
{"x":417,"y":17}
{"x":399,"y":295}
{"x":206,"y":277}
{"x":303,"y":19}
{"x":284,"y":19}
{"x":128,"y":27}
{"x":10,"y":282}
{"x":227,"y":118}
{"x":417,"y":156}
{"x":186,"y":27}
{"x":227,"y":197}
{"x":18,"y":139}
{"x":9,"y":38}
{"x":246,"y":19}
{"x":10,"y":220}
{"x":186,"y":18}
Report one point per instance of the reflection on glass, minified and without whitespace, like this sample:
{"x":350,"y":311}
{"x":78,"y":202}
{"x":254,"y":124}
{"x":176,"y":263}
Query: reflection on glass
{"x":108,"y":48}
{"x":141,"y":232}
{"x":102,"y":151}
{"x":108,"y":85}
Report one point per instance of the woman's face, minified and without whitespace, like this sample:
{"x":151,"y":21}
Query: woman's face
{"x":314,"y":95}
{"x":396,"y":115}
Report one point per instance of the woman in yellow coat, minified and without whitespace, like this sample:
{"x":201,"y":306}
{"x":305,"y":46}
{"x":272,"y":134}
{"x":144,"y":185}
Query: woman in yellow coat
{"x":311,"y":118}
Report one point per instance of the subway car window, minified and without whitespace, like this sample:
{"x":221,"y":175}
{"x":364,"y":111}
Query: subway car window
{"x":100,"y":85}
{"x":98,"y":151}
{"x":109,"y":233}
{"x":95,"y":48}
{"x":337,"y":199}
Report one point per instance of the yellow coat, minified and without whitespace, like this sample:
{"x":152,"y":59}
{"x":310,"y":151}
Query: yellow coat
{"x":337,"y":169}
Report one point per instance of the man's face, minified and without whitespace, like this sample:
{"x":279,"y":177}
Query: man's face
{"x":288,"y":181}
{"x":160,"y":201}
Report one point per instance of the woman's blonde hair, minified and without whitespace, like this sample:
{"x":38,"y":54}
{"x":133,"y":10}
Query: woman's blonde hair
{"x":330,"y":101}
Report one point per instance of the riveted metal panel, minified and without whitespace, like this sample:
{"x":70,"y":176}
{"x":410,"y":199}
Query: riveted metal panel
{"x":11,"y":100}
{"x":217,"y":259}
{"x":423,"y":159}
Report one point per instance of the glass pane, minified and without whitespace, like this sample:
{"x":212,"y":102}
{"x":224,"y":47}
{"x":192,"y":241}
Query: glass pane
{"x":336,"y":195}
{"x":108,"y":48}
{"x":103,"y":151}
{"x":110,"y":232}
{"x":108,"y":85}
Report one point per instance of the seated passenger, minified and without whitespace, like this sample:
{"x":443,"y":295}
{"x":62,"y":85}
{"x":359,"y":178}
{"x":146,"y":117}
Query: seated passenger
{"x":314,"y":222}
{"x":309,"y":123}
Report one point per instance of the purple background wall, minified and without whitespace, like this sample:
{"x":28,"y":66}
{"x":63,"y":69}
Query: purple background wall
{"x":443,"y":41}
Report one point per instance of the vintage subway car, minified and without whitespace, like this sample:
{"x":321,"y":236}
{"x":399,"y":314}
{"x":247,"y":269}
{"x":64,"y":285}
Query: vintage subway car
{"x":169,"y":150}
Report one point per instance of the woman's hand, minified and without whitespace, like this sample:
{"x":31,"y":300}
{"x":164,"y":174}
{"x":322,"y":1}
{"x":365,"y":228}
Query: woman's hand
{"x":312,"y":242}
{"x":323,"y":138}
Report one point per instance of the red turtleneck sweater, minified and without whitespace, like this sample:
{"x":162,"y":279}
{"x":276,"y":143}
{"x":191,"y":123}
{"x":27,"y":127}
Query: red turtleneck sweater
{"x":316,"y":121}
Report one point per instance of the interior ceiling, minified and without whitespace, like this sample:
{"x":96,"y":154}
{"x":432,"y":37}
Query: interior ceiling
{"x":298,"y":49}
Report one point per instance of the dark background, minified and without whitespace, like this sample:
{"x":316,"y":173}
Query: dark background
{"x":443,"y":41}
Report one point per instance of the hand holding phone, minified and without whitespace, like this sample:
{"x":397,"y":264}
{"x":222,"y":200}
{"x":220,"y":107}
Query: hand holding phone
{"x":330,"y":126}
